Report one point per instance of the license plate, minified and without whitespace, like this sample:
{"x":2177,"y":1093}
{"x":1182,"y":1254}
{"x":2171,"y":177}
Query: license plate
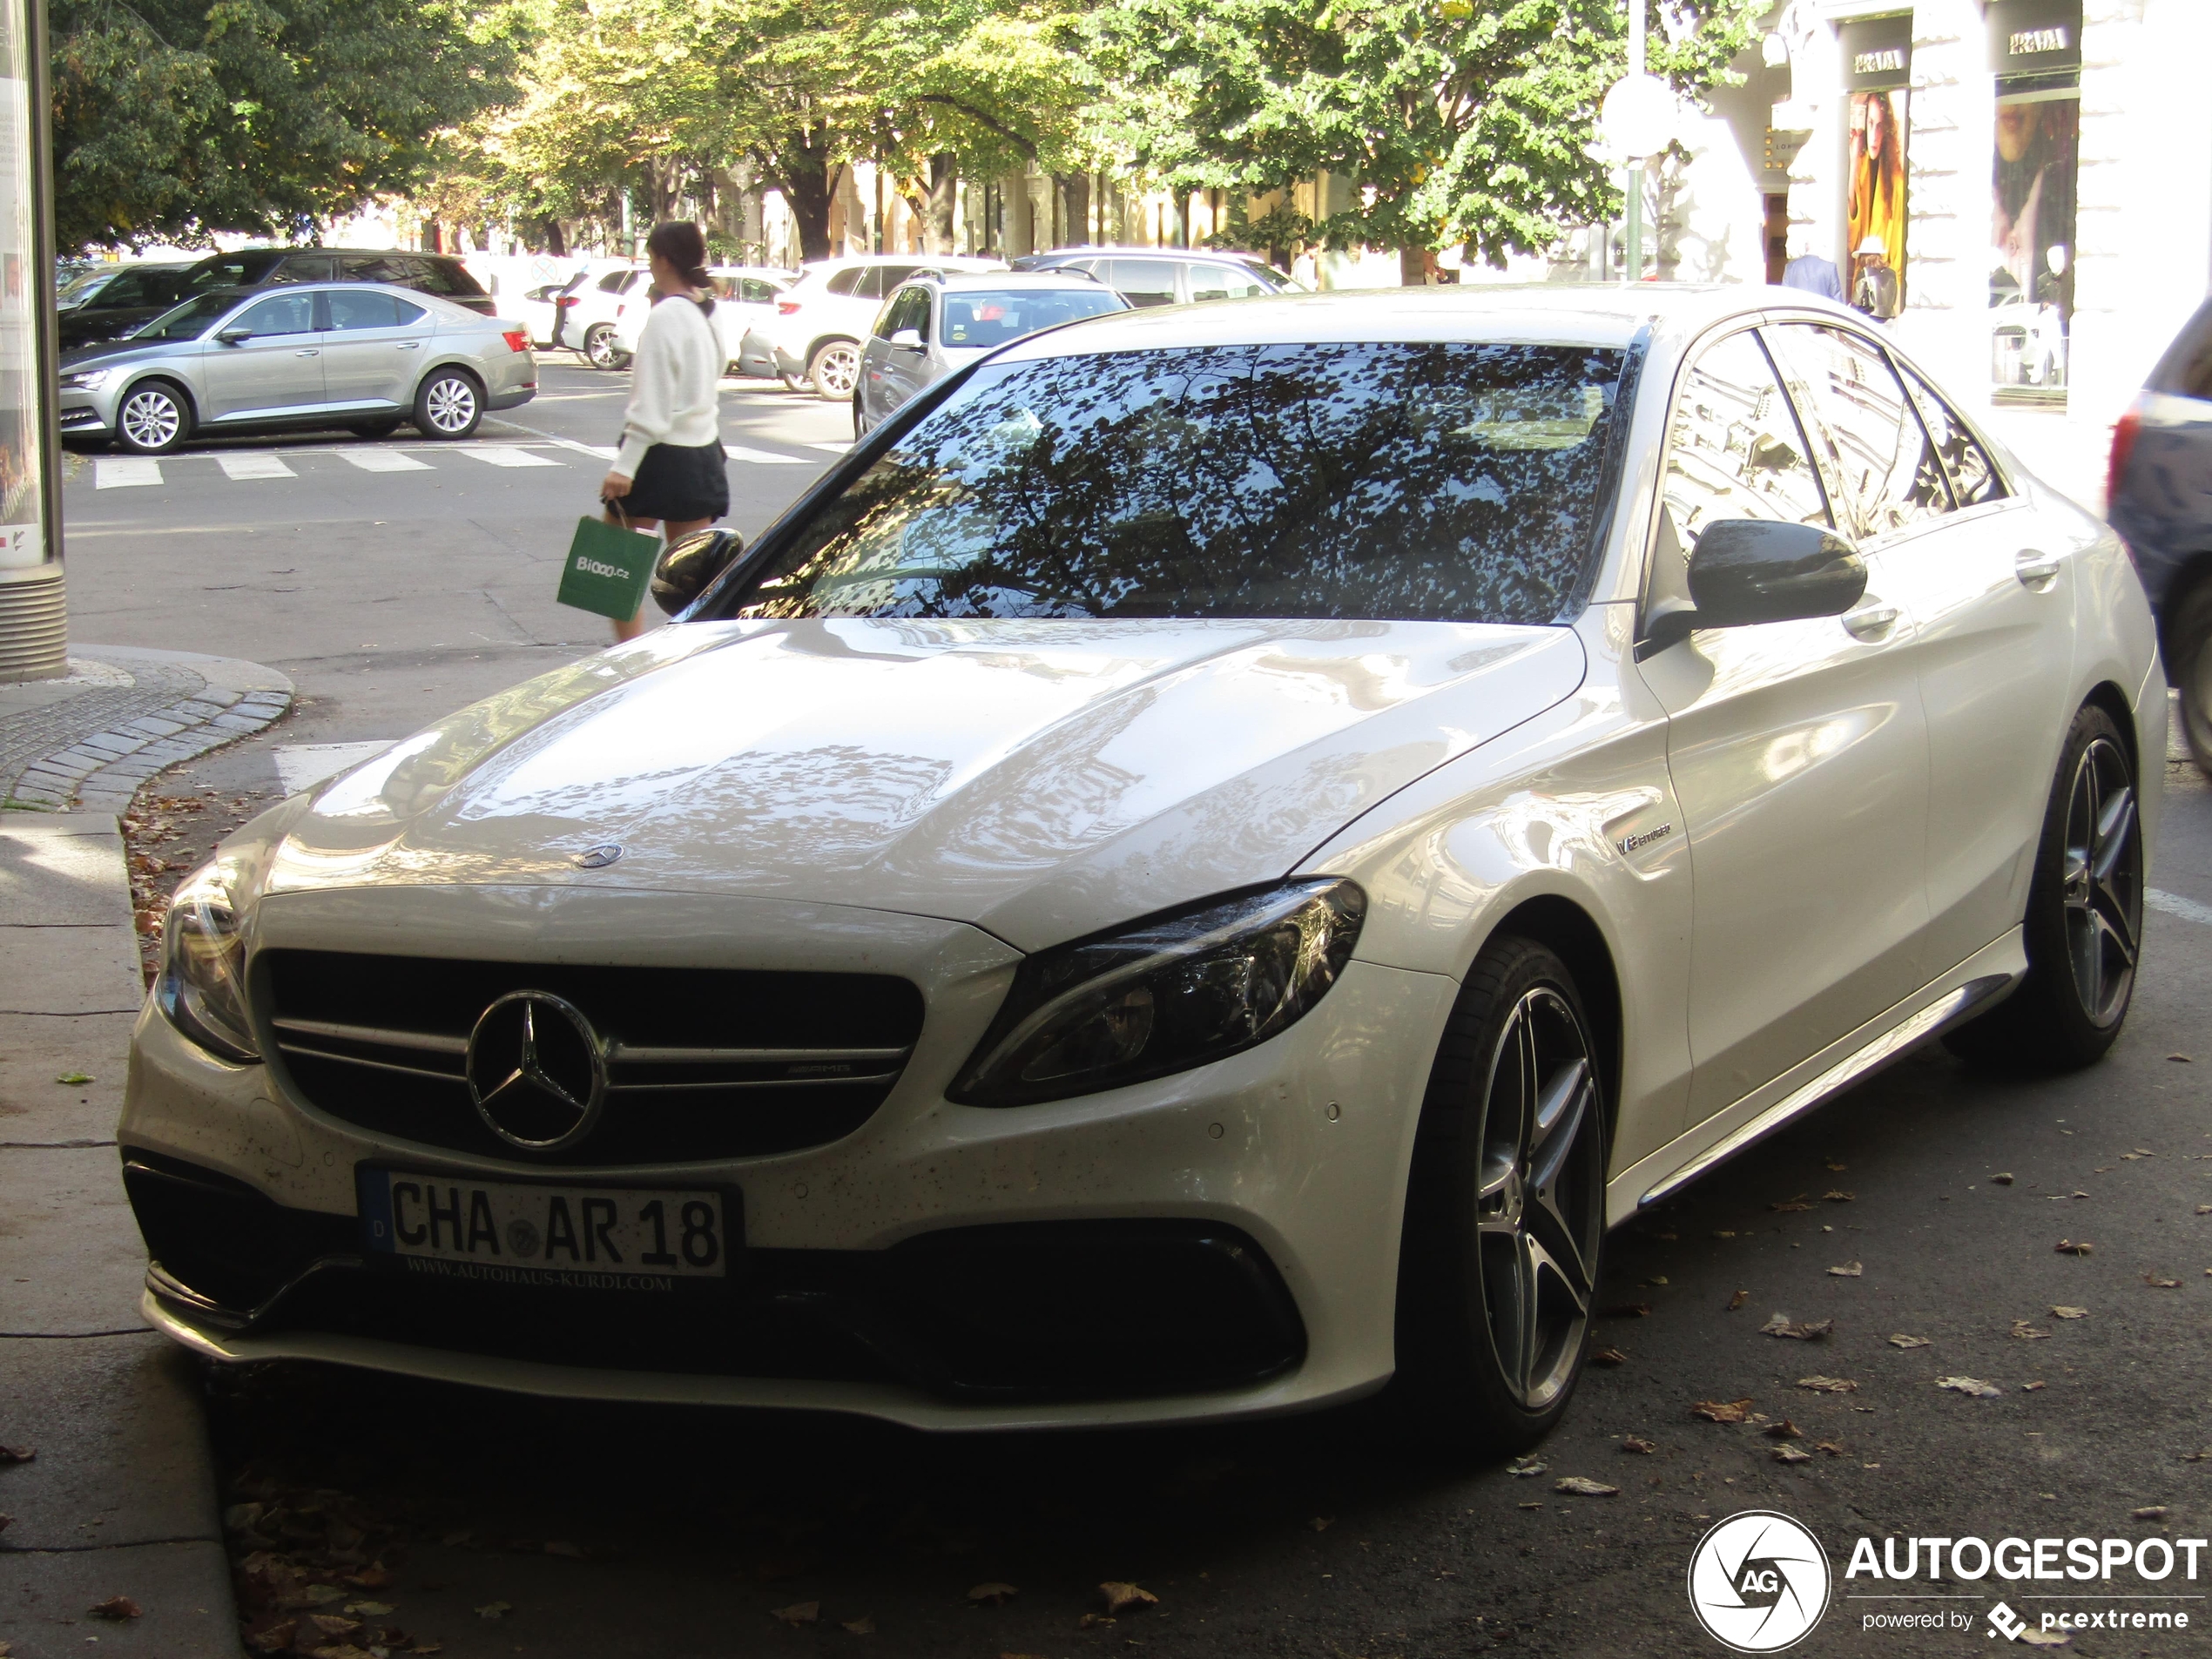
{"x":513,"y":1232}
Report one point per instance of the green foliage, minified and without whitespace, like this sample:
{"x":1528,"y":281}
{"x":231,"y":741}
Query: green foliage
{"x":176,"y":118}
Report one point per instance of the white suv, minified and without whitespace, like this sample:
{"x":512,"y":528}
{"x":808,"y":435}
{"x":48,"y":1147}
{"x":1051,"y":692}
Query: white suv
{"x":745,"y":297}
{"x":821,"y":320}
{"x":588,"y":321}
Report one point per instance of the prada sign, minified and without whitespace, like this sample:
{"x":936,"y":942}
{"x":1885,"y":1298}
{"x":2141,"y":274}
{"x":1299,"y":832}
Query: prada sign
{"x":2034,"y":37}
{"x":1877,"y":53}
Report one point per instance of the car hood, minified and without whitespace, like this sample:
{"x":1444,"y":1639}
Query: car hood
{"x":1040,"y":779}
{"x":123,"y":351}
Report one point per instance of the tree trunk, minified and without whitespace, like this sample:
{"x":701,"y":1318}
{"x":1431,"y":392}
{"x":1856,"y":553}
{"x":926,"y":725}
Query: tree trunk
{"x":556,"y":240}
{"x":1413,"y":267}
{"x":1075,"y":198}
{"x":943,"y":185}
{"x":799,"y":167}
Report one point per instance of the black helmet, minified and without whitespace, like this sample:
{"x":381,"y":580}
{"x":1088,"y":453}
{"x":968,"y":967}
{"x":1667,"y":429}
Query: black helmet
{"x":687,"y":565}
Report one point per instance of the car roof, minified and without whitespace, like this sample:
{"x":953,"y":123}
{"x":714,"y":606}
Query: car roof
{"x":953,"y":281}
{"x":413,"y":296}
{"x":1210,"y":255}
{"x":944,"y":261}
{"x":1588,"y":315}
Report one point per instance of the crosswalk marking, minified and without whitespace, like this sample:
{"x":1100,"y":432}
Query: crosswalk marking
{"x":253,"y":467}
{"x":833,"y":449}
{"x":738,"y":452}
{"x":384,"y":461}
{"x":506,"y":455}
{"x":123,"y":472}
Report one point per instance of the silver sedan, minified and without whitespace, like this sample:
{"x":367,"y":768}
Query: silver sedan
{"x":941,"y":320}
{"x":363,"y":356}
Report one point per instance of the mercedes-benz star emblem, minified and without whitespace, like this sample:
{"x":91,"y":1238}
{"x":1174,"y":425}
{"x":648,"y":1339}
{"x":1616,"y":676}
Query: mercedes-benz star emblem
{"x":597,"y":858}
{"x":535,"y":1071}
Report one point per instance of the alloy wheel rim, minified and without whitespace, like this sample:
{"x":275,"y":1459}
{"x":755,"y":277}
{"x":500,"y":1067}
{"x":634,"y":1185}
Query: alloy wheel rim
{"x":600,"y":348}
{"x":837,"y":369}
{"x":151,"y":419}
{"x":1539,"y":1210}
{"x":453,"y":406}
{"x":2102,"y":881}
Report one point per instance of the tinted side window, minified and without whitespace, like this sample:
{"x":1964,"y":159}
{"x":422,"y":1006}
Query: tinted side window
{"x":611,"y":283}
{"x":125,"y":288}
{"x":1736,"y":450}
{"x":846,"y":282}
{"x":234,"y":270}
{"x":367,"y":309}
{"x":299,"y":268}
{"x":1891,"y":479}
{"x":2186,"y":370}
{"x":373,"y":267}
{"x":447,"y":277}
{"x":753,"y":292}
{"x":289,"y":314}
{"x":909,"y":308}
{"x":1974,"y":475}
{"x":1142,"y":282}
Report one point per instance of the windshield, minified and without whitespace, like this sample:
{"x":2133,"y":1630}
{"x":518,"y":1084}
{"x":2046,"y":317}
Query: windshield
{"x":189,"y":321}
{"x":1395,"y":480}
{"x":233,"y":270}
{"x":974,"y":321}
{"x":84,"y":285}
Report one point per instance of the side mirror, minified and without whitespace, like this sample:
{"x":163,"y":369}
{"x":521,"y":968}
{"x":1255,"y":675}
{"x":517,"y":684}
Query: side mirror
{"x":234,"y":336}
{"x":908,"y":337}
{"x":687,"y":566}
{"x":1748,"y":570}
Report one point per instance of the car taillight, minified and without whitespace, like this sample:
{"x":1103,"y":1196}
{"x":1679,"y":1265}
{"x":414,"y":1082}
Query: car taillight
{"x":787,"y":307}
{"x":516,"y":339}
{"x":2123,"y":445}
{"x":620,"y":309}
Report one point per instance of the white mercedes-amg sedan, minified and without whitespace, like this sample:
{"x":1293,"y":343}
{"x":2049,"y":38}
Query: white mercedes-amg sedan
{"x":1196,"y":873}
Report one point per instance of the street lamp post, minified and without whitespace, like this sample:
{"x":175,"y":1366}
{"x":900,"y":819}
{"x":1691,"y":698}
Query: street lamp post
{"x":34,"y":618}
{"x":1636,"y":121}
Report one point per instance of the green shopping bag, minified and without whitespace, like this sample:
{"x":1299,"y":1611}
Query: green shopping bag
{"x":607,"y":568}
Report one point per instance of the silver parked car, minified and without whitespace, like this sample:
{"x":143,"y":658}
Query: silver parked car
{"x":940,"y":322}
{"x":361,"y":356}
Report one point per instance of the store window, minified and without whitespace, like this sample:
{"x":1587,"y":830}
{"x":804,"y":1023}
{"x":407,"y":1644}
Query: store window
{"x":2035,"y":52}
{"x":1878,"y":76}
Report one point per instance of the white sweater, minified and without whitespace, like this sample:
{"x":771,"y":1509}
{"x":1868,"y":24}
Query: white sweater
{"x":672,"y":384}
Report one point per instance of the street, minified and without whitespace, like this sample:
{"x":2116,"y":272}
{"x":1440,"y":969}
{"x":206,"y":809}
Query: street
{"x":397,"y":580}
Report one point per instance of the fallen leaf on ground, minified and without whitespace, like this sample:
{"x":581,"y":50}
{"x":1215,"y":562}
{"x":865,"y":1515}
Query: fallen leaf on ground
{"x":332,"y":1625}
{"x":1900,"y":1340}
{"x":1626,"y":1311}
{"x":1523,"y":1466}
{"x":2028,"y":1333}
{"x":2069,"y":1313}
{"x":1791,"y":1455}
{"x":1838,"y":1168}
{"x":17,"y":1454}
{"x":1120,"y":1596}
{"x":1783,"y":1430}
{"x":1829,"y":1384}
{"x":2158,"y":1284}
{"x":495,"y":1609}
{"x":2204,"y":1210}
{"x":2003,"y":1178}
{"x":2183,"y":1058}
{"x":273,"y":1638}
{"x":1724,"y":1233}
{"x":369,"y":1609}
{"x":1580,"y":1485}
{"x":1721,"y":1411}
{"x":2148,"y":1512}
{"x":1810,"y":1330}
{"x":1637,"y":1443}
{"x":2029,"y":1388}
{"x":1090,"y":1619}
{"x":1322,"y":1523}
{"x":1738,"y":1300}
{"x":863,"y":1626}
{"x":1608,"y":1356}
{"x":117,"y":1607}
{"x":75,"y":1079}
{"x":2144,"y":1152}
{"x":1793,"y":1206}
{"x":1849,"y":1270}
{"x":797,"y":1612}
{"x":993,"y":1593}
{"x":1834,"y":1197}
{"x":1972,"y":1386}
{"x":1829,"y":1447}
{"x":2197,"y":1457}
{"x":2071,"y":1247}
{"x":1657,"y":1279}
{"x":1537,"y":1505}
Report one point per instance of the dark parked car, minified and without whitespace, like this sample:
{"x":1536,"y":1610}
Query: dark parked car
{"x":264,"y":268}
{"x":1166,"y":276}
{"x":108,"y":301}
{"x":2158,"y":497}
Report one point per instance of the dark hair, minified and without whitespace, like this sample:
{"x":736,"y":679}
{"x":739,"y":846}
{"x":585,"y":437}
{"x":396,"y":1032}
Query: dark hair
{"x":678,"y":241}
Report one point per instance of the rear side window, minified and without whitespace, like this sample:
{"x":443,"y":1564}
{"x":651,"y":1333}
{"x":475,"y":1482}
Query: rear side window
{"x":374,"y":268}
{"x":306,"y":268}
{"x":241,"y":270}
{"x":1142,"y":282}
{"x":847,"y":283}
{"x":2186,"y":370}
{"x":447,"y":277}
{"x":1891,"y":479}
{"x":368,"y":309}
{"x":1974,"y":475}
{"x":614,"y":281}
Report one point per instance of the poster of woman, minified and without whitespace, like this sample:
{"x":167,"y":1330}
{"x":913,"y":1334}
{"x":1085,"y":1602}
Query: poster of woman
{"x":1876,"y":205}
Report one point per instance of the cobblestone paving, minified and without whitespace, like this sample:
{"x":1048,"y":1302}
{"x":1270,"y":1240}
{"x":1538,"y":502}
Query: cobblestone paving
{"x":31,"y":736}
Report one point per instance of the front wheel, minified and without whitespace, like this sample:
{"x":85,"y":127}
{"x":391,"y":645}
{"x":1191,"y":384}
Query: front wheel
{"x":2083,"y":929}
{"x":835,"y":371}
{"x":152,"y":420}
{"x":2188,"y":662}
{"x":599,"y":349}
{"x":1504,"y":1215}
{"x":448,"y":406}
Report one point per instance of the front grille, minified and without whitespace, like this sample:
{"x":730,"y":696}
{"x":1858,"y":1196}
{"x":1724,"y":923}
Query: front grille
{"x":701,"y":1063}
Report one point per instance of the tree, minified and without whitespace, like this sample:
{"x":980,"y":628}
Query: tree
{"x":174,"y":118}
{"x":1456,"y":121}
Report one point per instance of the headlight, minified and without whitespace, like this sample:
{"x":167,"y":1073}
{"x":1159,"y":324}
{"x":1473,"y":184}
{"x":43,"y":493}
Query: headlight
{"x":1169,"y":994}
{"x":202,"y":986}
{"x":86,"y":380}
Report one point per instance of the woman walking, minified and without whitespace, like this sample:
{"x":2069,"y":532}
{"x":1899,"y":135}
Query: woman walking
{"x":670,"y":473}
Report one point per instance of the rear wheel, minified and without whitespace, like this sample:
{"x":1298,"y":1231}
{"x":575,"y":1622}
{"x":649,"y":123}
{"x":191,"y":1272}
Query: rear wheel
{"x":1505,"y":1216}
{"x":835,"y":370}
{"x":153,"y":419}
{"x":796,"y":383}
{"x":2189,"y":661}
{"x":599,"y":346}
{"x":2085,"y":915}
{"x":450,"y":405}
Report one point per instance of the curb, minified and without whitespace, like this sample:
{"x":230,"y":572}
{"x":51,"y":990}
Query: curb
{"x":102,"y":772}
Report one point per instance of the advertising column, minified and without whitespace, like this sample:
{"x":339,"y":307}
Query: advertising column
{"x":2035,"y":53}
{"x":33,"y":622}
{"x":1878,"y":72}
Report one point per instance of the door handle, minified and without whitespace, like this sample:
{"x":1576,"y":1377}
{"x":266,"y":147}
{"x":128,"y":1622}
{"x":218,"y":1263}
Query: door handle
{"x":1869,"y":622}
{"x":410,"y":345}
{"x":2036,"y":568}
{"x":312,"y":351}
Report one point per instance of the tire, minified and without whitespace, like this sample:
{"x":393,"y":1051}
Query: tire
{"x":599,"y":346}
{"x":1505,"y":1213}
{"x":374,"y":428}
{"x":450,"y":405}
{"x":2188,"y":666}
{"x":2085,"y":916}
{"x":153,"y":418}
{"x":834,"y":369}
{"x":794,"y":383}
{"x":859,"y":424}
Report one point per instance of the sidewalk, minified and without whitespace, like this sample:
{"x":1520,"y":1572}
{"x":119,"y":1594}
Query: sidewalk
{"x":119,"y":1499}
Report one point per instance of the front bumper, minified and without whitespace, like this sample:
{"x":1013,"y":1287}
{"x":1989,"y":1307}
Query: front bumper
{"x":1206,"y":1244}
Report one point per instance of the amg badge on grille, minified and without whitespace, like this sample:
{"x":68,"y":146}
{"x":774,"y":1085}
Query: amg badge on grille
{"x":597,"y":858}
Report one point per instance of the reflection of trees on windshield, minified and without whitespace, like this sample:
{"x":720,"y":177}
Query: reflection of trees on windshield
{"x":1403,"y":480}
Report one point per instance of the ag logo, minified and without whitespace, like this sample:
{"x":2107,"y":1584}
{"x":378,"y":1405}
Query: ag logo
{"x":1758,"y":1582}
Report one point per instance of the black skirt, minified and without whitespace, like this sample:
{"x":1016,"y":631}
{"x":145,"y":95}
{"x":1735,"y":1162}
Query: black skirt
{"x":677,"y":483}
